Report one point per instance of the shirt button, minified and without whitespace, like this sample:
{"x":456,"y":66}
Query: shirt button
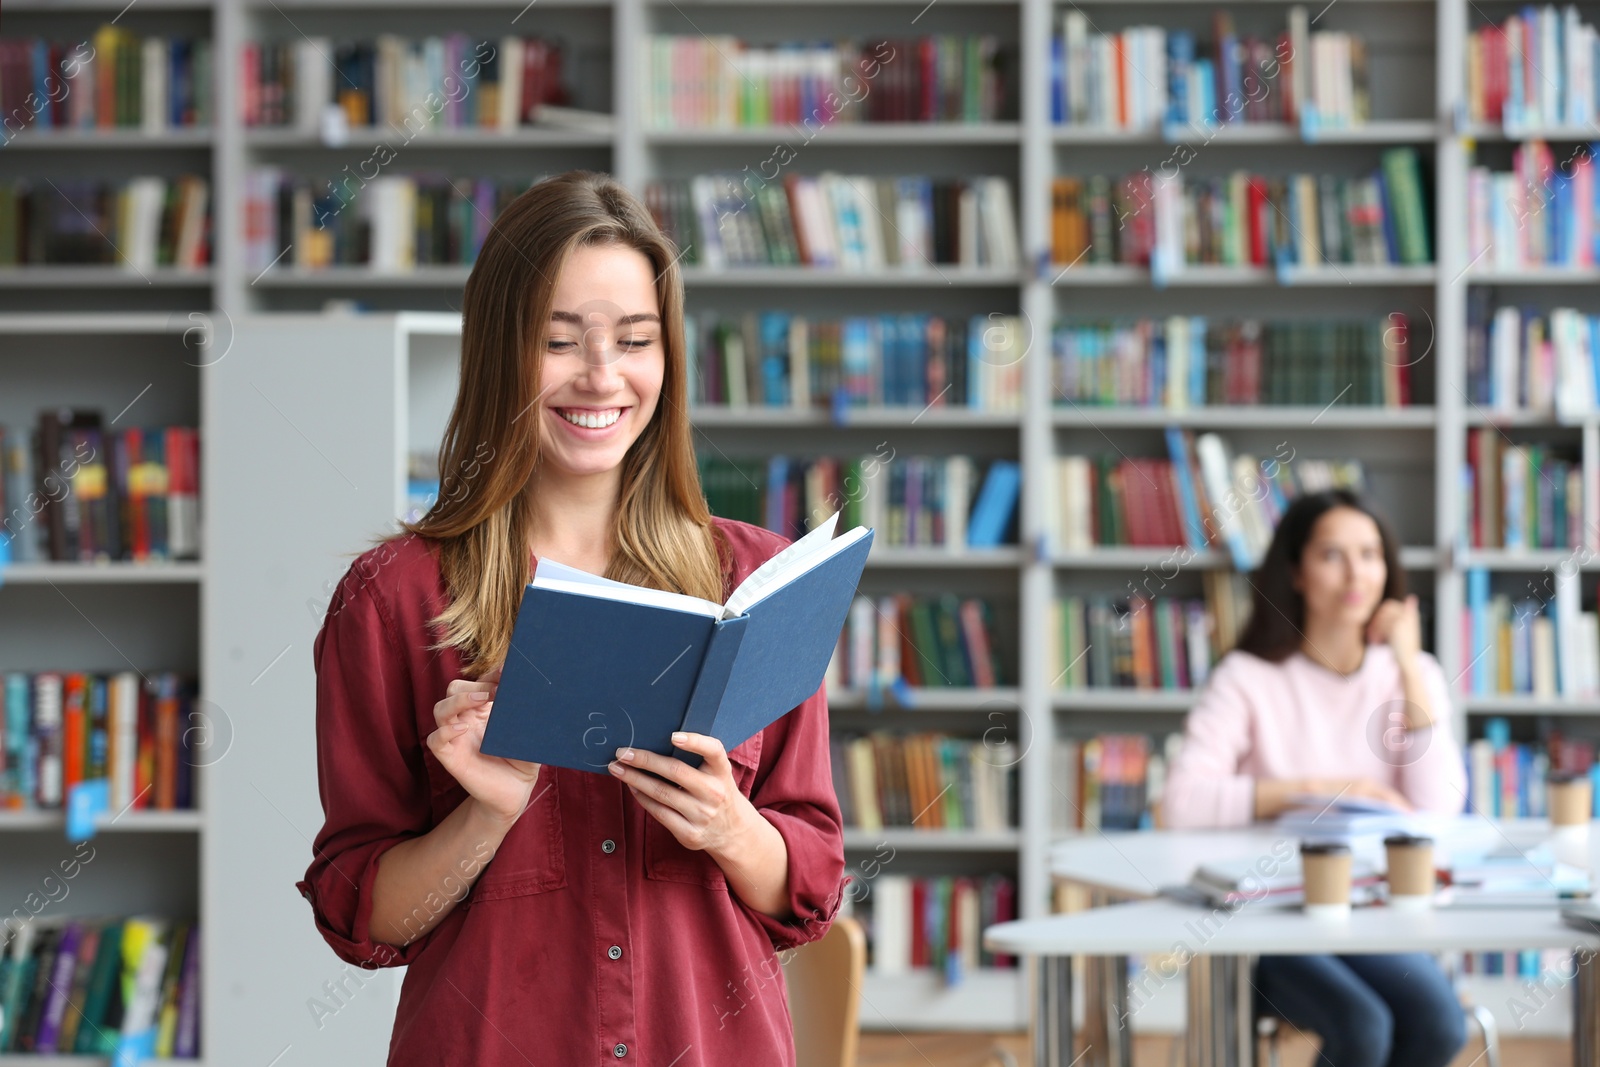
{"x":615,"y":952}
{"x":620,"y":1051}
{"x":608,"y":846}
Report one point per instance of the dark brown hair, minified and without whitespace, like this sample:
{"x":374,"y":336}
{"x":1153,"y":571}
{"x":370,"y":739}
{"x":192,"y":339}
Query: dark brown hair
{"x":1278,"y":612}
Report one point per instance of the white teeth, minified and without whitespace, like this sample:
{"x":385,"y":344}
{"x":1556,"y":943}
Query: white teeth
{"x":594,"y":420}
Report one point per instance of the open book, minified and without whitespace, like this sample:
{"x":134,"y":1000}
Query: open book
{"x":596,"y":664}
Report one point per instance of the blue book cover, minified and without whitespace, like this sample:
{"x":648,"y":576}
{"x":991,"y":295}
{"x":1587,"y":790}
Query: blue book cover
{"x":1178,"y":449}
{"x":1180,"y":68}
{"x":1386,"y":210}
{"x":1058,"y":81}
{"x":996,"y":502}
{"x":775,"y":358}
{"x":596,"y":665}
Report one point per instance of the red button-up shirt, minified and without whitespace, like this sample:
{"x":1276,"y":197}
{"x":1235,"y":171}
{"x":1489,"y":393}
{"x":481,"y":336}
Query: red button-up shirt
{"x":593,"y":936}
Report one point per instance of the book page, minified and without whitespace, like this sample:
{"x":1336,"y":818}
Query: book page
{"x":552,"y":575}
{"x":786,"y":566}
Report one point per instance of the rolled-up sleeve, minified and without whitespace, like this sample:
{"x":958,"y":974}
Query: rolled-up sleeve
{"x":371,"y":774}
{"x":1434,"y":779}
{"x":794,"y":791}
{"x":1204,"y":788}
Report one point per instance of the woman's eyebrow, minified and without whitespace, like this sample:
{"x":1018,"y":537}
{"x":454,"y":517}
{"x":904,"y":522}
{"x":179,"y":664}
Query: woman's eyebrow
{"x":627,"y":320}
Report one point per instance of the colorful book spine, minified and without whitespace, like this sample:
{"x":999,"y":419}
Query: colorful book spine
{"x":60,"y":729}
{"x":901,"y":640}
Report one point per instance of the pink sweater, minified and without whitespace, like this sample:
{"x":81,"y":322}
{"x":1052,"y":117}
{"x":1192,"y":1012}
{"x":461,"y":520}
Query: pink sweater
{"x":1298,"y":719}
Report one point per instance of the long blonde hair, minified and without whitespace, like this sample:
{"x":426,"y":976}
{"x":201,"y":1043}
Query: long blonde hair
{"x":664,"y":536}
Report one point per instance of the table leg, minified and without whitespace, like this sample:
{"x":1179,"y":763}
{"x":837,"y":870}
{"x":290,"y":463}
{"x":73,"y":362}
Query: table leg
{"x":1586,"y":1011}
{"x":1108,"y":1042}
{"x":1052,"y":1036}
{"x":1219,"y":1031}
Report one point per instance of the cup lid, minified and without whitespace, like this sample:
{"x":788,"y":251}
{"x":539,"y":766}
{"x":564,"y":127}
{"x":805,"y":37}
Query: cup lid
{"x":1565,"y":777}
{"x":1408,"y":840}
{"x":1323,"y":848}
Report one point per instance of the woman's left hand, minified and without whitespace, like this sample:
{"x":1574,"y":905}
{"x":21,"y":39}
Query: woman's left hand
{"x":1400,"y":625}
{"x":701,"y":806}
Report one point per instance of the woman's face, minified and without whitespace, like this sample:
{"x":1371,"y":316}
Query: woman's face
{"x":1342,"y":571}
{"x":603,"y":361}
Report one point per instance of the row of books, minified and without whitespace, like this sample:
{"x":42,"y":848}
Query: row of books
{"x":910,"y":500}
{"x":393,"y":222}
{"x":1521,"y":496}
{"x":1505,"y":779}
{"x":839,"y":221}
{"x":392,"y":83}
{"x":1520,"y":360}
{"x":1535,"y":643}
{"x":1148,"y":77}
{"x":912,"y":359}
{"x":926,"y":781}
{"x":1109,"y":781}
{"x":75,"y":489}
{"x":64,"y":728}
{"x":1201,"y":495}
{"x":701,"y":82}
{"x":1187,"y":361}
{"x":1244,"y":219}
{"x":932,"y":923}
{"x":115,"y":80}
{"x":1530,"y":965}
{"x":1539,"y":213}
{"x":97,"y":986}
{"x":928,"y":641}
{"x":1536,"y":68}
{"x":1137,"y":642}
{"x":138,"y":223}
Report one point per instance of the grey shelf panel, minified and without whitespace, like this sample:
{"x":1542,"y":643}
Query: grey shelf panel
{"x":1128,"y":557}
{"x":1340,"y":417}
{"x":869,"y":417}
{"x":931,"y":276}
{"x":533,"y":137}
{"x":1123,"y":700}
{"x":136,"y":821}
{"x":848,"y":133}
{"x":939,"y":557}
{"x":931,"y":699}
{"x":1536,"y":276}
{"x":118,"y":573}
{"x":117,"y":139}
{"x":1538,"y":559}
{"x":103,"y":277}
{"x":1209,"y":276}
{"x":914,"y":840}
{"x":1523,"y":704}
{"x":1399,"y":131}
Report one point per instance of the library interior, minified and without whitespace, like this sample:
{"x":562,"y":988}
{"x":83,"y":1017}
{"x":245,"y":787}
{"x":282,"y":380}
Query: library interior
{"x":1160,"y":675}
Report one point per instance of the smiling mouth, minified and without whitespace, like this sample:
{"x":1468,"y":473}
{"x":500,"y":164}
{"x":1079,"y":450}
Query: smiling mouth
{"x":591,"y":418}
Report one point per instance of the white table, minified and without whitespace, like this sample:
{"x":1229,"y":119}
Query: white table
{"x":1136,"y":866}
{"x":1218,"y":945}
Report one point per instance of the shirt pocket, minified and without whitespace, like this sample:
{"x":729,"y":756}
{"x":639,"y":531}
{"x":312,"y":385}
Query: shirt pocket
{"x":665,"y":860}
{"x":533,"y":856}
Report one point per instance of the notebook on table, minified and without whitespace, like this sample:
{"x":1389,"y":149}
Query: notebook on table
{"x":596,"y":665}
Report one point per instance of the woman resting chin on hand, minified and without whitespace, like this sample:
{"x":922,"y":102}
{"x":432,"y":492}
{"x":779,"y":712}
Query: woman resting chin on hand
{"x":1328,"y":693}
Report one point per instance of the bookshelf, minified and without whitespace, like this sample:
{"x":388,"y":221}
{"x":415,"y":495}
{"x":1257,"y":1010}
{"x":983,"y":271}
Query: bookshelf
{"x":353,"y":461}
{"x":137,"y":370}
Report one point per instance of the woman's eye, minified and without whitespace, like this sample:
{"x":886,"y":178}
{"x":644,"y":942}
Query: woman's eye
{"x":638,"y":342}
{"x":560,"y":346}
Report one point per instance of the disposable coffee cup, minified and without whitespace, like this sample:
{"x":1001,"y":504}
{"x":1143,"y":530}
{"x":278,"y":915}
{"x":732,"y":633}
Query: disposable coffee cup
{"x":1570,"y":799}
{"x":1410,"y":861}
{"x":1325,"y":867}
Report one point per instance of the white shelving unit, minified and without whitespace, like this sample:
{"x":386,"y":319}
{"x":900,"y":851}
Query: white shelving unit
{"x":136,"y":369}
{"x":299,"y":478}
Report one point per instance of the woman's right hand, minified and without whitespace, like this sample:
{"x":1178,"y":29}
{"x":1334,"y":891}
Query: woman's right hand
{"x":501,"y":786}
{"x":1274,"y":796}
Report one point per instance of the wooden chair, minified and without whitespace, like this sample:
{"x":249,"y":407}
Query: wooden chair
{"x":824,"y":980}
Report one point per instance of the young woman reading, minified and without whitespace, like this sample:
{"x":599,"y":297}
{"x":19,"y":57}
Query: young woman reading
{"x":1330,"y":694}
{"x":549,"y":915}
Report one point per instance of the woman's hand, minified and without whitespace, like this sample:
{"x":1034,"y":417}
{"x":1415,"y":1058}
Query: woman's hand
{"x":501,"y":786}
{"x":1400,"y":626}
{"x":1274,"y":796}
{"x":701,"y":806}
